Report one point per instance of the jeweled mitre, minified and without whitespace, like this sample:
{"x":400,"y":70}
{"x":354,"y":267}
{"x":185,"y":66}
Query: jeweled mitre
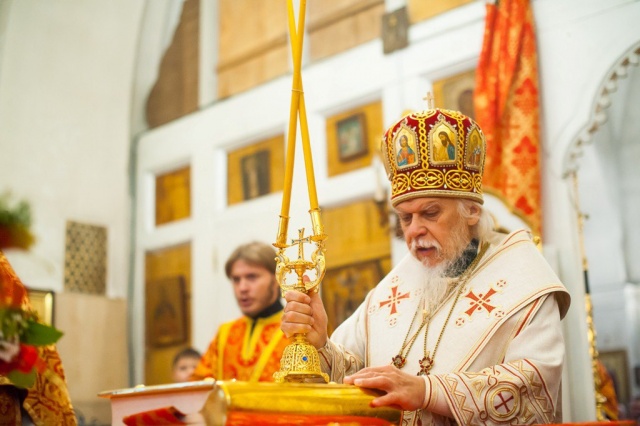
{"x":434,"y":153}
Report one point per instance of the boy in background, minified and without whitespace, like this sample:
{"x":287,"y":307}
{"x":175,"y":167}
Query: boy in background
{"x":184,"y":363}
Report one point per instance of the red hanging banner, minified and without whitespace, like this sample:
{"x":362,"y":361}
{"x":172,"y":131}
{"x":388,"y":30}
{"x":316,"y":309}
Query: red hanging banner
{"x":507,"y":108}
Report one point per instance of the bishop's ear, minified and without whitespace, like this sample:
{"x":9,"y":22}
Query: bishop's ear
{"x":473,"y":212}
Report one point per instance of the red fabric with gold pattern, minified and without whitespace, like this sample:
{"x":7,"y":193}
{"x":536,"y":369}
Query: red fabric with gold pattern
{"x":603,"y":423}
{"x":159,"y":416}
{"x":12,"y":292}
{"x":507,"y":107}
{"x":245,"y":357}
{"x":264,"y":419}
{"x":47,"y":401}
{"x":434,"y":153}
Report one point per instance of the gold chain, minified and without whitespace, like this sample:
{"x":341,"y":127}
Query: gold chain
{"x":400,"y":360}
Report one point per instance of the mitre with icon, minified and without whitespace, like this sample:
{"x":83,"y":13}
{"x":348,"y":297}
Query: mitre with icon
{"x":434,"y":153}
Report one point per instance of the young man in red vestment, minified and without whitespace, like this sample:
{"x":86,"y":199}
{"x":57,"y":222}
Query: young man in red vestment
{"x":248,"y":348}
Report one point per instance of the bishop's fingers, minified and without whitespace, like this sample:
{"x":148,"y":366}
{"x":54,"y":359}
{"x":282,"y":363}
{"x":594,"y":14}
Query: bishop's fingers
{"x":301,"y":308}
{"x":297,"y":296}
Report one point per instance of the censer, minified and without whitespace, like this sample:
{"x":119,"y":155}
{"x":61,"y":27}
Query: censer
{"x":300,"y":362}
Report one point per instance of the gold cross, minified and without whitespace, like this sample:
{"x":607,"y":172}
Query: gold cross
{"x":429,"y":99}
{"x":301,"y":239}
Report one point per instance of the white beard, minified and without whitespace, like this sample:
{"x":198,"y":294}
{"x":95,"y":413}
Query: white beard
{"x":437,"y":286}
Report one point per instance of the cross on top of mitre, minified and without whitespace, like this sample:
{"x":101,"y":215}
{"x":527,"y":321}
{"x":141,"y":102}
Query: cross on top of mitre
{"x":429,"y":98}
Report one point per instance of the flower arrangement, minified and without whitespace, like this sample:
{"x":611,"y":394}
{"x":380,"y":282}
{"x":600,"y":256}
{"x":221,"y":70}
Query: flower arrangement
{"x":20,"y":335}
{"x":20,"y":331}
{"x":15,"y":221}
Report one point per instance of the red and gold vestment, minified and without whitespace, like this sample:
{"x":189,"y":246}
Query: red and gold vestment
{"x":47,"y":402}
{"x":238,"y":352}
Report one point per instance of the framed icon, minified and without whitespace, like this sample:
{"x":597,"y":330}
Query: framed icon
{"x":352,"y":137}
{"x":456,"y":92}
{"x":617,"y":365}
{"x":395,"y":30}
{"x":173,"y":195}
{"x":256,"y":174}
{"x":345,"y":288}
{"x":255,"y":170}
{"x":42,"y":304}
{"x":166,"y":317}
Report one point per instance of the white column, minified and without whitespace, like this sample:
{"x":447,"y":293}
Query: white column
{"x":208,"y":55}
{"x":560,"y":222}
{"x":632,"y":310}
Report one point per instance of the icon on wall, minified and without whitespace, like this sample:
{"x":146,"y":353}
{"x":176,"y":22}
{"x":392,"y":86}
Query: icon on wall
{"x":173,"y":195}
{"x":166,"y":323}
{"x":255,"y":174}
{"x":352,"y":137}
{"x":255,"y":170}
{"x":395,"y":30}
{"x":456,"y":92}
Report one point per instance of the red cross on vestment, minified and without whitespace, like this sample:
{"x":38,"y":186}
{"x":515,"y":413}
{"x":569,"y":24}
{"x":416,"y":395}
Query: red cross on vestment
{"x":504,"y":403}
{"x":394,"y":300}
{"x":480,"y":301}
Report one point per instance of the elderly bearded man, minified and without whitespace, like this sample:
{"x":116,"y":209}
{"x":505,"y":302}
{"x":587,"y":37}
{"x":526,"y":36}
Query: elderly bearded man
{"x":466,"y":328}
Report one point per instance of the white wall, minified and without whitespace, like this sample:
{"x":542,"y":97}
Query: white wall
{"x":65,"y":91}
{"x":65,"y":105}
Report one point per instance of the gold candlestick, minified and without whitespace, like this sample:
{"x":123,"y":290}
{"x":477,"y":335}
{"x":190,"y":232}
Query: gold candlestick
{"x":300,"y":361}
{"x":591,"y":330}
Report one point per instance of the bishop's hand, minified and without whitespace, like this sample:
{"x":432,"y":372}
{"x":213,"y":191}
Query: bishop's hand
{"x":305,"y":314}
{"x":401,"y":390}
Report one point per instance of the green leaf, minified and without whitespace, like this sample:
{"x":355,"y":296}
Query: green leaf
{"x":22,"y":380}
{"x":40,"y":335}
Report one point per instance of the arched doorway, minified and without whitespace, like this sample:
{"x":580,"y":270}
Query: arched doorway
{"x":604,"y":159}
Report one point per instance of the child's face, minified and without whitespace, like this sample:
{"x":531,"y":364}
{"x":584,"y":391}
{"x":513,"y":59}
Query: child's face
{"x":183,"y":368}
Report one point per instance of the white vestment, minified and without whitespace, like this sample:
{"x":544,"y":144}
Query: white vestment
{"x":500,"y":357}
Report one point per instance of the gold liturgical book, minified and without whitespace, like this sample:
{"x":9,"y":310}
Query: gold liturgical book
{"x":243,"y":403}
